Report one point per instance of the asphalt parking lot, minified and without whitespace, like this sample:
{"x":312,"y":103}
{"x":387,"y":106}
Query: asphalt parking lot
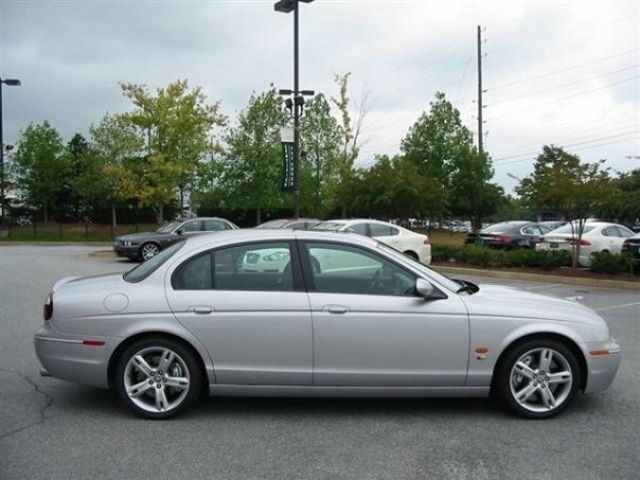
{"x":51,"y":429}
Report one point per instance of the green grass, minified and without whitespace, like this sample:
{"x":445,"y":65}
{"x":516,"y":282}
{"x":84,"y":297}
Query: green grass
{"x":71,"y":232}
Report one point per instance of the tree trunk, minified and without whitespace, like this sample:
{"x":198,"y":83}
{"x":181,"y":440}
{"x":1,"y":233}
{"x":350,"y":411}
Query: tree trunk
{"x":344,"y":212}
{"x":46,"y":212}
{"x":114,"y":220}
{"x":258,"y":216}
{"x":160,"y":214}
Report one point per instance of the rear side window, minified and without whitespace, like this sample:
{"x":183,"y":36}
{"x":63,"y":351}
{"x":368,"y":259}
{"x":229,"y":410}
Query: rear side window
{"x":359,"y":228}
{"x":254,"y":267}
{"x":378,"y":230}
{"x":194,"y":274}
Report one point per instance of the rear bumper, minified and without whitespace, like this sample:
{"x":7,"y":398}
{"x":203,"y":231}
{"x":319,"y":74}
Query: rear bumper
{"x":68,"y":358}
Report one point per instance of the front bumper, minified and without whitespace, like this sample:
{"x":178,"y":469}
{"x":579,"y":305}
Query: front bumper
{"x":68,"y":358}
{"x":602,"y":369}
{"x":130,"y":251}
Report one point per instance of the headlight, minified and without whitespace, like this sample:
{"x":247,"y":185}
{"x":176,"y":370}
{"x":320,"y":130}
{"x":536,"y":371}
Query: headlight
{"x":128,"y":243}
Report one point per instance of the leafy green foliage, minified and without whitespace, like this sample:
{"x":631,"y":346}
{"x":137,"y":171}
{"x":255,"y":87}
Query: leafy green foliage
{"x":612,"y":263}
{"x":490,"y":257}
{"x":563,"y":183}
{"x":252,"y":164}
{"x":40,"y":165}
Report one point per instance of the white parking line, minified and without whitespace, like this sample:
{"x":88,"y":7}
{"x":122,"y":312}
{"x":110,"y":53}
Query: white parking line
{"x":535,"y":287}
{"x":613,"y":307}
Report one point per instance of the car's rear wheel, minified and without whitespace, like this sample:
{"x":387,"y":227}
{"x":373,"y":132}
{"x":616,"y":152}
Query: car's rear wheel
{"x":158,"y":377}
{"x":149,"y":250}
{"x":538,"y":378}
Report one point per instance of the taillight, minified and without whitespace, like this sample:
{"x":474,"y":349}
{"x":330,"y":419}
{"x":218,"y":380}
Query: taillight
{"x":503,"y":239}
{"x":426,"y":241}
{"x":47,"y":308}
{"x":541,"y":239}
{"x":584,"y":242}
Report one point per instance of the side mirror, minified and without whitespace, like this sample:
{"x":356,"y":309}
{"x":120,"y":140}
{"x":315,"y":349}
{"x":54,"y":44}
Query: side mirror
{"x":424,"y":288}
{"x":179,"y":231}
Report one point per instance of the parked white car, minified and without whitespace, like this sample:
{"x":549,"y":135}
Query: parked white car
{"x":596,"y":237}
{"x":411,"y":243}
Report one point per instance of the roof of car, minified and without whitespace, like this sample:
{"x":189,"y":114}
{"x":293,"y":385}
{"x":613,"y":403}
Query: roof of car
{"x":256,"y":234}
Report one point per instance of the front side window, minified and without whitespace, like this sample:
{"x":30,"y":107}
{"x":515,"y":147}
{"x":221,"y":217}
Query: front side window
{"x":351,"y":270}
{"x":257,"y":266}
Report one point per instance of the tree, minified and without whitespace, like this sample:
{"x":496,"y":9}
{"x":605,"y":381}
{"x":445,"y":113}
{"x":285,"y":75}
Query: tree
{"x":351,"y":129}
{"x":320,"y":165}
{"x":40,"y":166}
{"x":77,"y":152}
{"x":623,"y":204}
{"x":442,"y":147}
{"x":563,"y":183}
{"x":176,"y":125}
{"x":395,"y":188}
{"x":252,"y":167}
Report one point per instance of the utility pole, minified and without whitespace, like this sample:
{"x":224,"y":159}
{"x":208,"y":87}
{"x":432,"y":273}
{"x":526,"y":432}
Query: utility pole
{"x":296,"y":115}
{"x":480,"y":123}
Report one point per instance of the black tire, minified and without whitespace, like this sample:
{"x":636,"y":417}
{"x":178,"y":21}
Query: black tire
{"x":189,"y":361}
{"x":502,"y":384}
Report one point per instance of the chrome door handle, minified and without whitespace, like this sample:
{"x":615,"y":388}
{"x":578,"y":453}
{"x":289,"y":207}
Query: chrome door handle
{"x":337,"y":309}
{"x":202,"y":310}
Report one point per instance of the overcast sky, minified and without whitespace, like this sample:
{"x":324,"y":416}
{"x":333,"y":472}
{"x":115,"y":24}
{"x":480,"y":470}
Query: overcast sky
{"x":557,"y":72}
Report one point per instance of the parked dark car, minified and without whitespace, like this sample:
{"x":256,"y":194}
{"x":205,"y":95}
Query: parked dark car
{"x":144,"y":245}
{"x":291,"y":223}
{"x":632,"y":245}
{"x":509,"y":235}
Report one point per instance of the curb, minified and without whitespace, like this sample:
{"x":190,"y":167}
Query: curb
{"x":542,"y":278}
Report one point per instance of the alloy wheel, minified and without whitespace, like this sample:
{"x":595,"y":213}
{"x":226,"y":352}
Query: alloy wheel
{"x":149,"y":250}
{"x":156,"y":379}
{"x":541,"y":380}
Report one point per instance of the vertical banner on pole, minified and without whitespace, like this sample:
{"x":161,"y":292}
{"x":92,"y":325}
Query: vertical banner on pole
{"x":288,"y":167}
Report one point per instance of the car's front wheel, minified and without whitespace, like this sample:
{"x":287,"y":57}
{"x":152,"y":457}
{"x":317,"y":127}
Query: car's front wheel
{"x":149,"y":250}
{"x":158,"y":377}
{"x":538,"y":378}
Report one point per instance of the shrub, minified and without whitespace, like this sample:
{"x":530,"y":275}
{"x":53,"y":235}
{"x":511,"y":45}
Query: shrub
{"x":606,"y":262}
{"x":490,"y":257}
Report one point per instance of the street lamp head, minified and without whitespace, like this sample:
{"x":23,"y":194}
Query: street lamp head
{"x":13,"y":82}
{"x":287,"y":6}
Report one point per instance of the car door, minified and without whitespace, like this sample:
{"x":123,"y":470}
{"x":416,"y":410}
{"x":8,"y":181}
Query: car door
{"x":371,"y":329}
{"x":251,"y":312}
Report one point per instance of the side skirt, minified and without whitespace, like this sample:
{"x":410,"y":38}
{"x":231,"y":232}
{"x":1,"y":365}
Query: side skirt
{"x":380,"y":392}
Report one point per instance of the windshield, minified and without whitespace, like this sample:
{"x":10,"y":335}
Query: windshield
{"x":146,"y":268}
{"x":169,"y":227}
{"x":273,"y":224}
{"x":328,"y":226}
{"x":567,"y":229}
{"x":437,"y":277}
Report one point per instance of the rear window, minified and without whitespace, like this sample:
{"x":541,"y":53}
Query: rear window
{"x":273,"y":224}
{"x":142,"y":271}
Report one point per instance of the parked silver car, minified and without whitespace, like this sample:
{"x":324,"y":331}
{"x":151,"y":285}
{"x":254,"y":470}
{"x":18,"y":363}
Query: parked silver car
{"x":374,"y":323}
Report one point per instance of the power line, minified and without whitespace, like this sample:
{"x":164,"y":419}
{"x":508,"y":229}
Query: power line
{"x":564,"y":98}
{"x":563,"y":85}
{"x":498,"y":161}
{"x":543,"y":75}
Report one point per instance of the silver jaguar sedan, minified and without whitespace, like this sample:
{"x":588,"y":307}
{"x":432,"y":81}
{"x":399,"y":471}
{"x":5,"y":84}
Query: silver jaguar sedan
{"x":303,"y":313}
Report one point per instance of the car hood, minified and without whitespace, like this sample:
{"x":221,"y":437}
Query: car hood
{"x":497,"y":300}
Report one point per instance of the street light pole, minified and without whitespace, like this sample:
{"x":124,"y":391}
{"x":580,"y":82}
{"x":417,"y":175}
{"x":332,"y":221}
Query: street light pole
{"x":288,"y":6}
{"x":14,"y":83}
{"x":296,"y":114}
